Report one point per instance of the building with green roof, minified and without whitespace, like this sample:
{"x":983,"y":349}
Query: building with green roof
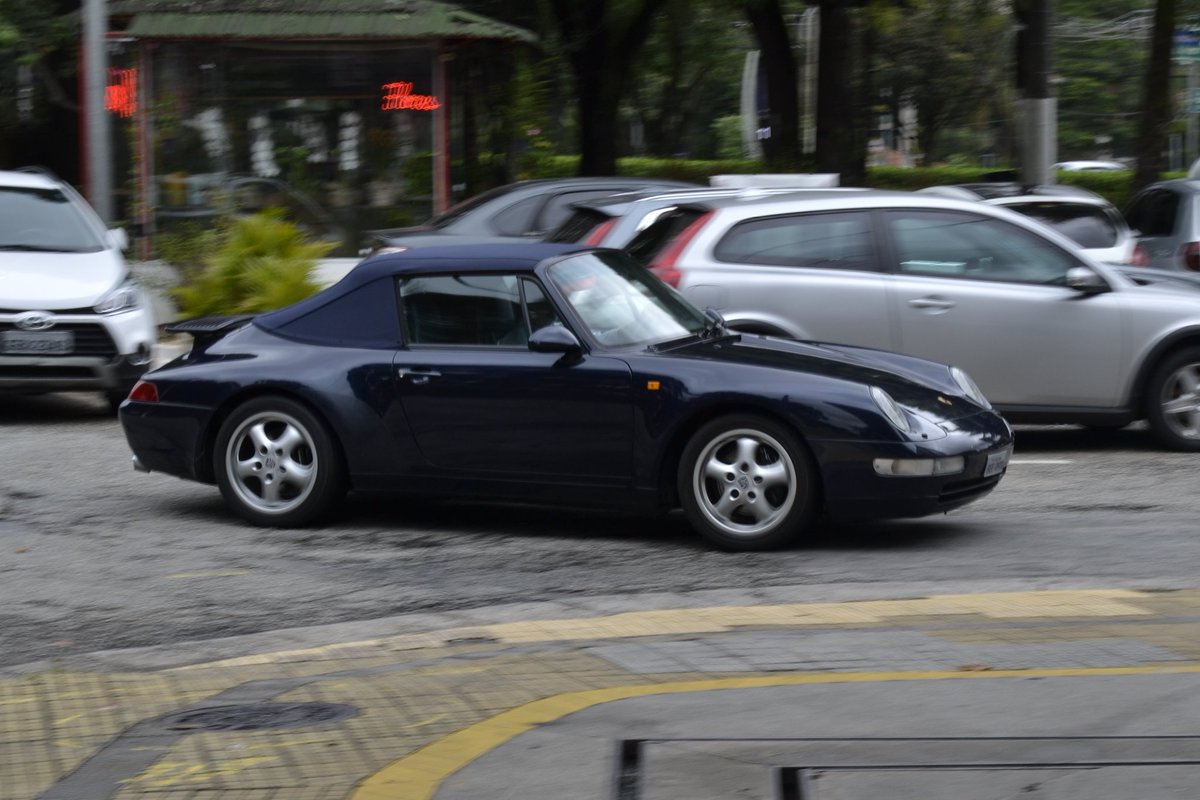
{"x":346,"y":113}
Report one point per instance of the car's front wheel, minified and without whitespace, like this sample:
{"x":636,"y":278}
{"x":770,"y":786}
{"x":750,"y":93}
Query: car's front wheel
{"x":1173,"y":400}
{"x":276,"y":463}
{"x":747,"y":483}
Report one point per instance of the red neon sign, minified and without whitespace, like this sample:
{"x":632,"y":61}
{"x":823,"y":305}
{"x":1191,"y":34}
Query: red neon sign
{"x":120,"y":96}
{"x":398,"y":96}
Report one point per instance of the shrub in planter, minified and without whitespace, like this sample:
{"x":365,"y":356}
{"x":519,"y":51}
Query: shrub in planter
{"x":264,"y":263}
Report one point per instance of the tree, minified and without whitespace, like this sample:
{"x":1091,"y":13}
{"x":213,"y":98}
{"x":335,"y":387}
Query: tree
{"x":1156,"y":103}
{"x":781,"y":150}
{"x":949,"y":58}
{"x":600,"y":40}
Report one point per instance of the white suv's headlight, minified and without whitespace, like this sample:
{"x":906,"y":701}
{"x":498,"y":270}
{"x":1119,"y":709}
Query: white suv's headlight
{"x":968,"y":387}
{"x":122,"y":298}
{"x":891,"y":409}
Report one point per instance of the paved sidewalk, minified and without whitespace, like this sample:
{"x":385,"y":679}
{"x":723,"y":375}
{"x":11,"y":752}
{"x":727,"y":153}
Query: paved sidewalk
{"x":710,"y":701}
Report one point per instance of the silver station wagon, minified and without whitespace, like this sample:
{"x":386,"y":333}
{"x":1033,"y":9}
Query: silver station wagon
{"x":1050,"y":334}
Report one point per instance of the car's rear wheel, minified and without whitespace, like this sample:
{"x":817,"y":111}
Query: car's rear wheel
{"x":747,"y":483}
{"x":276,"y":463}
{"x":1173,"y":400}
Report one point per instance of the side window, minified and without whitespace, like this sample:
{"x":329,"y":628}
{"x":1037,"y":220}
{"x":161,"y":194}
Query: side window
{"x":478,"y":310}
{"x":517,"y":219}
{"x":817,"y":241}
{"x":541,"y":311}
{"x":962,"y":245}
{"x":1153,"y":213}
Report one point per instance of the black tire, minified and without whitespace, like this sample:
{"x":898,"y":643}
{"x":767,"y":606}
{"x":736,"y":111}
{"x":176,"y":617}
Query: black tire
{"x":767,"y":496}
{"x":1173,"y":400}
{"x":277,"y":464}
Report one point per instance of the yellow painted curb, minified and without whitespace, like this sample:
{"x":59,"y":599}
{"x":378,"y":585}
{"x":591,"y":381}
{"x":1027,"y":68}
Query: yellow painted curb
{"x":418,"y":775}
{"x":1050,"y":604}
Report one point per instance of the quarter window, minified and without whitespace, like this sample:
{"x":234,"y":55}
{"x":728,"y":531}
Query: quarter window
{"x":968,"y":246}
{"x":816,"y":241}
{"x":476,"y":310}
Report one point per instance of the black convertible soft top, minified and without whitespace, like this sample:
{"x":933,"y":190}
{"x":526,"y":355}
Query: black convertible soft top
{"x":360,"y":310}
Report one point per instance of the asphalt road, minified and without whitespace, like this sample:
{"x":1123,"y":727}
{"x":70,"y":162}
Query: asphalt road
{"x":96,"y":556}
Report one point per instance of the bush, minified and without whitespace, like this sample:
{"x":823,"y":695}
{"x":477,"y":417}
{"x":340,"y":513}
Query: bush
{"x":264,"y":263}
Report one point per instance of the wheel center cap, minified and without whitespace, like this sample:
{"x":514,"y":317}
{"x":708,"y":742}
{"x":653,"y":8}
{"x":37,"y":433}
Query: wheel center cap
{"x":271,"y":463}
{"x":743,"y":481}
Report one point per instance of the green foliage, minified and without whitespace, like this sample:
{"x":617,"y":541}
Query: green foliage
{"x":264,"y":263}
{"x":187,"y":246}
{"x":728,"y":133}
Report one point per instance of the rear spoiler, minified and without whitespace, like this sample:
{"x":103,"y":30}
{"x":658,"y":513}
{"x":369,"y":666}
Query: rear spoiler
{"x":206,"y":330}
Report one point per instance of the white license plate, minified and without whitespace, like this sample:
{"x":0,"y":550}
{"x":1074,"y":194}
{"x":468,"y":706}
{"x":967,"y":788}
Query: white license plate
{"x":36,"y":343}
{"x":996,"y":462}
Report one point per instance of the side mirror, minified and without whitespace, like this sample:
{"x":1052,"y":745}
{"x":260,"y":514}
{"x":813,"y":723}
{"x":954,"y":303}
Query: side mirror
{"x":1086,"y":281}
{"x":554,"y":339}
{"x":715,"y":316}
{"x":118,"y":238}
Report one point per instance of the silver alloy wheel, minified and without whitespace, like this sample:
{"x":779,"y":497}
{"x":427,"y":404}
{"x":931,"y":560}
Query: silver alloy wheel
{"x":1180,"y":401}
{"x":745,"y":482}
{"x":271,"y":462}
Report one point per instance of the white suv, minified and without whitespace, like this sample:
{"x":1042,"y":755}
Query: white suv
{"x":71,"y":318}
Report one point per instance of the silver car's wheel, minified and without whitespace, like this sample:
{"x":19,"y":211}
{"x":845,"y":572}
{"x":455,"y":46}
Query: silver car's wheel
{"x":1174,"y":400}
{"x":276,"y":464}
{"x":746,"y":483}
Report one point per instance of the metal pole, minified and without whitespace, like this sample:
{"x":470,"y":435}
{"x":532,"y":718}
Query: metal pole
{"x":95,"y":77}
{"x":1039,"y":141}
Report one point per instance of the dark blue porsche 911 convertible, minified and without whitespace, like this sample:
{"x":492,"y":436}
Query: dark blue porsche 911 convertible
{"x":557,"y":374}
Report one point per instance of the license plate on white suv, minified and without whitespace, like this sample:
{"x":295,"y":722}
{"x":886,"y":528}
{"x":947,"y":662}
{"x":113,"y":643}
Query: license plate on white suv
{"x":996,"y":462}
{"x":37,"y":343}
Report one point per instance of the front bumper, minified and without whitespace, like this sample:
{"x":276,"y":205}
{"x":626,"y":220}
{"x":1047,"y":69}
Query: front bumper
{"x":854,"y":491}
{"x":71,"y":373}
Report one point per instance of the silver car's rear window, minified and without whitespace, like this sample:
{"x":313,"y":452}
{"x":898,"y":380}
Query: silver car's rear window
{"x":1087,"y":226}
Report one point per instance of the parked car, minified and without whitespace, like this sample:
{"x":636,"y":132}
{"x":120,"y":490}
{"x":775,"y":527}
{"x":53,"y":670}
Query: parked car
{"x":552,"y":373}
{"x":612,"y":221}
{"x":1085,"y":217}
{"x":71,"y":317}
{"x":1090,"y":166}
{"x":515,"y":212}
{"x":1051,"y":335}
{"x":1165,"y":217}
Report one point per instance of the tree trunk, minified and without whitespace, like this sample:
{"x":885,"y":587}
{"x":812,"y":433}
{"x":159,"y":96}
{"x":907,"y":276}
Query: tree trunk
{"x":840,"y":144}
{"x":782,"y":150}
{"x":601,"y":47}
{"x":1156,"y":98}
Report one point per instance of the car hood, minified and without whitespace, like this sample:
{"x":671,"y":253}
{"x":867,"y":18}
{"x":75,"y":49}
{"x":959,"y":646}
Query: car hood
{"x":923,"y":386}
{"x":55,"y":281}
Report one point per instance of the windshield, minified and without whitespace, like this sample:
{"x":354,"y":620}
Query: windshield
{"x":621,"y":303}
{"x":44,"y":219}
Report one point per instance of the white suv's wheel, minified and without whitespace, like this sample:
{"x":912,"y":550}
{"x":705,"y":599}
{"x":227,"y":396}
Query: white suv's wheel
{"x":276,"y":464}
{"x":747,"y":483}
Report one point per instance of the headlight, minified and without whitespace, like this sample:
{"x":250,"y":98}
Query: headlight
{"x":968,"y":387}
{"x":122,"y":298}
{"x":890,"y":409}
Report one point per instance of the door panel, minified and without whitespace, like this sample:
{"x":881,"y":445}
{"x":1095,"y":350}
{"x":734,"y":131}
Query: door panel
{"x":518,"y":415}
{"x":986,"y":295}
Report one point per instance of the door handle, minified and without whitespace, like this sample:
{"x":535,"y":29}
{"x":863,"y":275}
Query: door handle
{"x":932,"y":304}
{"x":417,"y":376}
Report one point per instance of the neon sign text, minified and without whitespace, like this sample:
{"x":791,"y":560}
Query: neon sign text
{"x":120,"y":96}
{"x":398,"y":96}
